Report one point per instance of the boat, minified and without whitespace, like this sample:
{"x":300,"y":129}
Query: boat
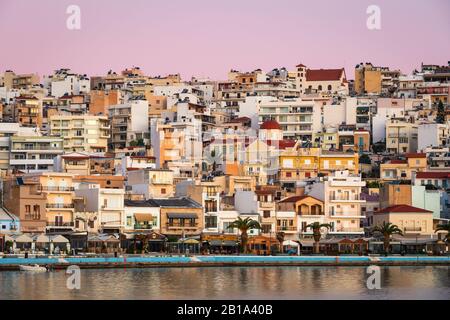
{"x":35,"y":268}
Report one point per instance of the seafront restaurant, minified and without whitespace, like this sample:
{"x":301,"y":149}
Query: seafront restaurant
{"x":103,"y":243}
{"x":185,"y":246}
{"x":335,"y":246}
{"x":143,"y":241}
{"x":261,"y":245}
{"x":220,"y":243}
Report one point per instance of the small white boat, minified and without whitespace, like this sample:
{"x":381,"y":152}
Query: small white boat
{"x":34,"y":268}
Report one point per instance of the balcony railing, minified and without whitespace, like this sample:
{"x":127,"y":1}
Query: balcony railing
{"x":286,"y":228}
{"x":59,"y":205}
{"x":61,"y":224}
{"x":345,"y":198}
{"x":409,"y":229}
{"x":55,"y":188}
{"x":138,"y":226}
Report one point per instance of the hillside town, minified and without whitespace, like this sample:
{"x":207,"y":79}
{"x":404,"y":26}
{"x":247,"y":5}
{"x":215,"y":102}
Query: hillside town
{"x":289,"y":161}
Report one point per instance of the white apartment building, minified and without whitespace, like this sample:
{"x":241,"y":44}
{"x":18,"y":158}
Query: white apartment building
{"x":341,"y":193}
{"x":34,"y":153}
{"x":299,"y":120}
{"x":433,"y":135}
{"x":129,"y":122}
{"x":64,"y":82}
{"x":109,"y":203}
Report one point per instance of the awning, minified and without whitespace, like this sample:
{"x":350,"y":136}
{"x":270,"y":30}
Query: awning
{"x":58,"y":239}
{"x":220,"y":243}
{"x":179,"y":215}
{"x":290,"y":243}
{"x":23,"y":238}
{"x":307,"y":243}
{"x":190,"y":241}
{"x":42,"y":238}
{"x":143,"y":217}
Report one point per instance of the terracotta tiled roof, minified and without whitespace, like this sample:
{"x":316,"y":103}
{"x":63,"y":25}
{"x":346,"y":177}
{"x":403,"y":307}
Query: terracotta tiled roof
{"x":282,"y":144}
{"x":403,"y":208}
{"x":416,"y":155}
{"x":270,"y":124}
{"x":324,"y":74}
{"x":297,"y":198}
{"x":432,"y":175}
{"x":301,"y":65}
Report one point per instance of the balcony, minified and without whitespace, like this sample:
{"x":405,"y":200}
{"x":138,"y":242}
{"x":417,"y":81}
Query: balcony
{"x":355,"y":215}
{"x":138,"y":226}
{"x":286,"y":228}
{"x":56,"y":188}
{"x":347,"y":230}
{"x":346,"y":199}
{"x":412,"y":229}
{"x":61,"y":224}
{"x":263,"y":204}
{"x":59,"y":206}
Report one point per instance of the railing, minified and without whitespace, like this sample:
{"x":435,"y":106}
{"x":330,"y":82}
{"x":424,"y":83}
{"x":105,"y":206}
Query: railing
{"x":60,"y":224}
{"x":55,"y":188}
{"x":60,"y":205}
{"x":142,"y":226}
{"x":286,"y":228}
{"x":345,"y":198}
{"x":412,"y":229}
{"x":348,"y":230}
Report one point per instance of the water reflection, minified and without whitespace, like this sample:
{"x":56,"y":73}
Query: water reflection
{"x":231,"y":283}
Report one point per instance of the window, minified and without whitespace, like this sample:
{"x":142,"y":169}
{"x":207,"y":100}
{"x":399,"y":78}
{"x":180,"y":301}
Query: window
{"x":129,"y":221}
{"x":163,"y":190}
{"x":329,"y":87}
{"x":27,"y":208}
{"x":210,"y":221}
{"x":266,"y":213}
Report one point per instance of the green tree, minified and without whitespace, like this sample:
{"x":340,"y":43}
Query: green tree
{"x":243,"y":225}
{"x":440,"y":116}
{"x":317,"y":233}
{"x":387,"y":230}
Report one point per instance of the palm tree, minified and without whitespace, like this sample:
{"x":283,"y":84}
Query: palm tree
{"x":243,"y":225}
{"x":280,"y":238}
{"x":387,"y":229}
{"x":445,"y":227}
{"x":316,"y":228}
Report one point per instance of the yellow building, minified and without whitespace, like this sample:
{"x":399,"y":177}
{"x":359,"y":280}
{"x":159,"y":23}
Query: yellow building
{"x":403,"y":169}
{"x":303,"y":163}
{"x":371,"y":79}
{"x":81,"y":133}
{"x":59,"y":193}
{"x":401,"y":135}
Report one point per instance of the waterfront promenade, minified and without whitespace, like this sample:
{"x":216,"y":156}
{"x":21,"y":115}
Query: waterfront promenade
{"x":12,"y":263}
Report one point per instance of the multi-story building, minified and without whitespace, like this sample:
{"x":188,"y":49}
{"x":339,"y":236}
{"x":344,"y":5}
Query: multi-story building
{"x":403,"y":169}
{"x":299,"y":120}
{"x":377,"y":80}
{"x":401,"y":135}
{"x":433,"y":135}
{"x":340,"y":192}
{"x":27,"y":202}
{"x":151,"y":183}
{"x":411,"y":220}
{"x":129,"y":124}
{"x":28,"y":111}
{"x":141,"y":216}
{"x":59,"y":195}
{"x":34,"y":153}
{"x":19,"y":81}
{"x":64,"y":82}
{"x":180,"y":217}
{"x":109,"y":203}
{"x":100,"y":101}
{"x":438,"y":158}
{"x":81,"y":133}
{"x":306,"y":209}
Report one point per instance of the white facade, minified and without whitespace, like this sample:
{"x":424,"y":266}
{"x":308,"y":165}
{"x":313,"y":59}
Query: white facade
{"x":109,"y":203}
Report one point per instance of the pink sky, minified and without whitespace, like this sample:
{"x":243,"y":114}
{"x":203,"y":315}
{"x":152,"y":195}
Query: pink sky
{"x":209,"y":37}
